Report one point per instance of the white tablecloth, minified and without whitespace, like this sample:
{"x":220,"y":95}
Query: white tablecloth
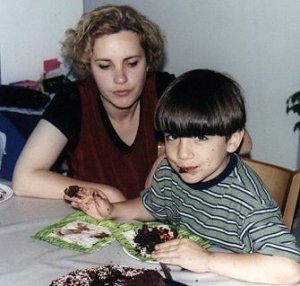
{"x":27,"y":261}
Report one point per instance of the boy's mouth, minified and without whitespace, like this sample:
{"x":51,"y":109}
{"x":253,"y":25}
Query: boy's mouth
{"x":186,"y":169}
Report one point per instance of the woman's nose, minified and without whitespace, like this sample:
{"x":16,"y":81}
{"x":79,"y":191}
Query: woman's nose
{"x":184,"y":151}
{"x":120,"y":76}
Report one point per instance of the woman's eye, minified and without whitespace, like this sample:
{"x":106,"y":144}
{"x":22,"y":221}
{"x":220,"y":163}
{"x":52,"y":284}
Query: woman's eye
{"x":132,"y":64}
{"x":104,"y":67}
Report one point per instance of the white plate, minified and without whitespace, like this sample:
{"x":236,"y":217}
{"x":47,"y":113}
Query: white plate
{"x":5,"y":193}
{"x":137,"y":258}
{"x":129,"y":235}
{"x":125,"y":234}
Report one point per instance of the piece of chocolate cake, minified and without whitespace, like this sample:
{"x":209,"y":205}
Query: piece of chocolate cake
{"x":130,"y":277}
{"x":72,"y":191}
{"x":146,"y":238}
{"x":111,"y":276}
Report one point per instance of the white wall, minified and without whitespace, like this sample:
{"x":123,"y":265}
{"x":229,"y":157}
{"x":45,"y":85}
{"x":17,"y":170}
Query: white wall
{"x":255,"y":41}
{"x":30,"y":32}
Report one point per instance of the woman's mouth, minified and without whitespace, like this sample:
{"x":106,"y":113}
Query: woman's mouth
{"x":122,"y":92}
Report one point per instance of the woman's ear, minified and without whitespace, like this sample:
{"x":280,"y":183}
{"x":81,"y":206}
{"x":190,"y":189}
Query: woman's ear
{"x":235,"y":140}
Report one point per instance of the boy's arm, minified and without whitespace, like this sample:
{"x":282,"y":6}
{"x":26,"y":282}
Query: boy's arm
{"x":96,"y":204}
{"x":130,"y":210}
{"x":253,"y":267}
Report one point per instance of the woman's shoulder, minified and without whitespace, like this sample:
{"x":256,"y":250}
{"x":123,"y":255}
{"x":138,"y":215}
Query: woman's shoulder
{"x":64,"y":111}
{"x":66,"y":99}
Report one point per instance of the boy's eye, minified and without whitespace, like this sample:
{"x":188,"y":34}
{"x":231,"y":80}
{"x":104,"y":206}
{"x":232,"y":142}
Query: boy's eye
{"x":201,"y":138}
{"x":171,"y":137}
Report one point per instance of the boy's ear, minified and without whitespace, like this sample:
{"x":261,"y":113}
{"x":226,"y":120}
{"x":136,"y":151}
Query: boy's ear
{"x":235,"y":140}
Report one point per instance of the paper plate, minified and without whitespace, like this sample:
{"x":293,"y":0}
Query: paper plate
{"x":5,"y":193}
{"x":125,"y":234}
{"x":138,"y":258}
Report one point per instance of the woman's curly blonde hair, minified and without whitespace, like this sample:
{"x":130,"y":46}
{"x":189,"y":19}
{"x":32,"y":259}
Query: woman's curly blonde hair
{"x":106,"y":20}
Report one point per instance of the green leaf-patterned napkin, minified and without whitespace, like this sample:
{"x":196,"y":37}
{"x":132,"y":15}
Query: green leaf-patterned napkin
{"x":80,"y":232}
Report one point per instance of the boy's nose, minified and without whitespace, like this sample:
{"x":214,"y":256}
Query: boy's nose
{"x":184,"y":151}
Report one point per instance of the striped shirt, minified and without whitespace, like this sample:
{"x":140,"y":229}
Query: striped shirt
{"x":233,"y":211}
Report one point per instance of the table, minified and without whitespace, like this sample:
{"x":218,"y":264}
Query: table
{"x":27,"y":261}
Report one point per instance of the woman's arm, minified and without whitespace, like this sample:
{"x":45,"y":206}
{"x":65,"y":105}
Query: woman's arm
{"x":32,"y":176}
{"x":253,"y":267}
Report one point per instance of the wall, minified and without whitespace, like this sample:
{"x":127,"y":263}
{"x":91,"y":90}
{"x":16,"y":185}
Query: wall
{"x":255,"y":41}
{"x":30,"y":32}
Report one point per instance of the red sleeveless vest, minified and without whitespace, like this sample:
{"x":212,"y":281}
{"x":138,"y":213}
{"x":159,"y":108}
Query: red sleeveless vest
{"x":96,"y":157}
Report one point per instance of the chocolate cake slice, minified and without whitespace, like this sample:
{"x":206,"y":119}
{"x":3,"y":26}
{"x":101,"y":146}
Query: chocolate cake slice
{"x":129,"y":277}
{"x":111,"y":275}
{"x":146,"y":238}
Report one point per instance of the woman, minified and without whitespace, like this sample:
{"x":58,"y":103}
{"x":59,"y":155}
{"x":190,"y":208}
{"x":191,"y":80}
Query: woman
{"x":105,"y":119}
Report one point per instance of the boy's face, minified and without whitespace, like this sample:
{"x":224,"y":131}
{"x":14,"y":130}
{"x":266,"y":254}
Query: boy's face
{"x":201,"y":158}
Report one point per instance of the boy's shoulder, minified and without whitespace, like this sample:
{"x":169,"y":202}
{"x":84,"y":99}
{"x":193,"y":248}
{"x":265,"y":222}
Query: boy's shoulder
{"x":164,"y":165}
{"x":248,"y":184}
{"x":165,"y":174}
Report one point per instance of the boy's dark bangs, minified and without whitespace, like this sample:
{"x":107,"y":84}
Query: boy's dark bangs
{"x":200,"y":103}
{"x":185,"y":123}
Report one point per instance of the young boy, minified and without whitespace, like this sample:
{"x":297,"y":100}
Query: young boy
{"x":205,"y":188}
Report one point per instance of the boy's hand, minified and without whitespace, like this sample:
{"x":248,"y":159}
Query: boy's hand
{"x":91,"y":201}
{"x":184,"y":253}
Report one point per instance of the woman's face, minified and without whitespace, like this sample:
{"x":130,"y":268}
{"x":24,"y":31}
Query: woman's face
{"x":118,"y":64}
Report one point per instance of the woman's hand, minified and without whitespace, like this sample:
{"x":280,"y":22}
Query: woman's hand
{"x":184,"y":253}
{"x":91,"y":201}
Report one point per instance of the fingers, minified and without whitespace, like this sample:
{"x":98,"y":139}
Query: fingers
{"x":84,"y":193}
{"x":82,"y":204}
{"x":171,"y":244}
{"x":167,"y":252}
{"x":103,"y":206}
{"x":169,"y":256}
{"x":175,"y":248}
{"x":181,"y":252}
{"x":72,"y":200}
{"x":91,"y":201}
{"x":99,"y":196}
